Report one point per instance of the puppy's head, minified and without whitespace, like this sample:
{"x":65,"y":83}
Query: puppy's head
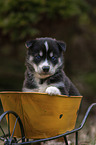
{"x":45,"y":56}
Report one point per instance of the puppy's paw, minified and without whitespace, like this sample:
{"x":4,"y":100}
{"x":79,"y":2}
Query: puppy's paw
{"x":53,"y":91}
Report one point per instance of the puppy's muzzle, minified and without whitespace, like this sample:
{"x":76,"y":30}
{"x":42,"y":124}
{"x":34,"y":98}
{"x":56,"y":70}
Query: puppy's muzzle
{"x":45,"y":69}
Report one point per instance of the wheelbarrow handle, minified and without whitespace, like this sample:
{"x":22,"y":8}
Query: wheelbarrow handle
{"x":86,"y":115}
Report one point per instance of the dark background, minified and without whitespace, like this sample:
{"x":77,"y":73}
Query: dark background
{"x":73,"y":21}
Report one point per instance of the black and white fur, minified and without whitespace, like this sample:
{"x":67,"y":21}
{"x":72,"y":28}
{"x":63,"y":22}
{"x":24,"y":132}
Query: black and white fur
{"x":44,"y":73}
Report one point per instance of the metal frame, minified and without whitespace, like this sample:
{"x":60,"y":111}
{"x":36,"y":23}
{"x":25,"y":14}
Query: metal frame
{"x":55,"y":137}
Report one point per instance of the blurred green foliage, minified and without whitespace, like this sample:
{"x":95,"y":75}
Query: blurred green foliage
{"x":18,"y":19}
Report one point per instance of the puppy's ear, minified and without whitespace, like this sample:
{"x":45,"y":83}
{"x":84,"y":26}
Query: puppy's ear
{"x":29,"y":43}
{"x":62,"y":45}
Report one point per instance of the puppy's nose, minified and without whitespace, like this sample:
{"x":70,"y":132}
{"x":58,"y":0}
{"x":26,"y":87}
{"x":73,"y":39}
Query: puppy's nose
{"x":46,"y":68}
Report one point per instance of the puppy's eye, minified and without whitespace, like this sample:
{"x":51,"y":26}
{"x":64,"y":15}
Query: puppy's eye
{"x":38,"y":57}
{"x":54,"y":58}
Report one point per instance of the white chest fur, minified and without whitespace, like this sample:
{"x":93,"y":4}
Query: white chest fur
{"x":41,"y":87}
{"x":49,"y":89}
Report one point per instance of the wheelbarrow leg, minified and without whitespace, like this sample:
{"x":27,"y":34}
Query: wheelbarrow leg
{"x":65,"y":139}
{"x":76,"y":138}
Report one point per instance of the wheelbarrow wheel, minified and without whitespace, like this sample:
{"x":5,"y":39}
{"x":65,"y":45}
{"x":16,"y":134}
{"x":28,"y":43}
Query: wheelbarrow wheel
{"x":6,"y":135}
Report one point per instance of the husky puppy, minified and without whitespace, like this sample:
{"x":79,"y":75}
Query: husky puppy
{"x":44,"y":73}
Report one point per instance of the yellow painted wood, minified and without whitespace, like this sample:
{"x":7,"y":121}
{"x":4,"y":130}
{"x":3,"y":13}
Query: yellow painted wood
{"x":42,"y":115}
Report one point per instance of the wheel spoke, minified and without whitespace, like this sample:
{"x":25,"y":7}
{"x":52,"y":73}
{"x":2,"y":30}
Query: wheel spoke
{"x":3,"y":132}
{"x":14,"y":127}
{"x":8,"y":125}
{"x":20,"y":139}
{"x":1,"y":138}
